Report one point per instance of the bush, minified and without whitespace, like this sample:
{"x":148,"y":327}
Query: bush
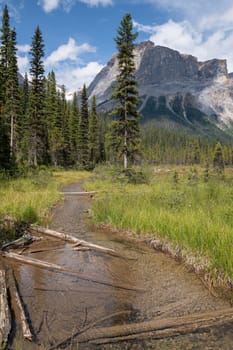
{"x":29,"y":214}
{"x":132,"y":176}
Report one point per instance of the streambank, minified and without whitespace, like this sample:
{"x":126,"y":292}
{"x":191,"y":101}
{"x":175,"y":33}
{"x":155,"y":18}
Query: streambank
{"x":61,"y":307}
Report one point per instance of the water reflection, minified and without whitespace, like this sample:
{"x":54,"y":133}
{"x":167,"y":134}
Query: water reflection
{"x":61,"y":305}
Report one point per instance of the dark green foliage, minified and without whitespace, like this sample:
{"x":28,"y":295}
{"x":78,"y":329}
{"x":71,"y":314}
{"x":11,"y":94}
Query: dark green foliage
{"x":126,"y":129}
{"x":38,"y":132}
{"x":38,"y":126}
{"x":23,"y":124}
{"x":53,"y":120}
{"x":9,"y":94}
{"x":206,"y":174}
{"x":169,"y":146}
{"x":12,"y":104}
{"x":5,"y":40}
{"x":175,"y":179}
{"x":83,"y":131}
{"x":63,"y":120}
{"x":131,"y":175}
{"x":94,"y":147}
{"x":74,"y":119}
{"x":218,"y":161}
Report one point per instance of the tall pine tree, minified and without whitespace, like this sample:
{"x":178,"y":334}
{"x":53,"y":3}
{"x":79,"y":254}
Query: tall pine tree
{"x":126,"y":128}
{"x":5,"y":149}
{"x":38,"y":134}
{"x":83,"y":130}
{"x":13,"y":107}
{"x":74,"y":128}
{"x":53,"y":120}
{"x":94,"y":138}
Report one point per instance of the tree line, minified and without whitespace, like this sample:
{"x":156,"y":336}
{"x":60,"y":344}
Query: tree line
{"x":164,"y":146}
{"x":38,"y":126}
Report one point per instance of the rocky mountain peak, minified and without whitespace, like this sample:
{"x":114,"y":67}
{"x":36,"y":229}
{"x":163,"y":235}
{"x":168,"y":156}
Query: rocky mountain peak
{"x":163,"y":74}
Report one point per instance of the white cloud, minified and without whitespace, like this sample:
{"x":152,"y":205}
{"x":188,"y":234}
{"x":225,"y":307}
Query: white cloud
{"x":23,"y":48}
{"x":69,"y":51}
{"x":97,"y":2}
{"x":50,"y":5}
{"x":13,"y":7}
{"x":182,"y":36}
{"x":23,"y":64}
{"x":74,"y":77}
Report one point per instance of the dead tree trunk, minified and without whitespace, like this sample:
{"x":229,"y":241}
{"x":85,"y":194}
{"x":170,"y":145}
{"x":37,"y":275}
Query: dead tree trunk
{"x":5,"y":316}
{"x":72,"y":239}
{"x":27,"y":334}
{"x":157,"y":329}
{"x":46,"y":265}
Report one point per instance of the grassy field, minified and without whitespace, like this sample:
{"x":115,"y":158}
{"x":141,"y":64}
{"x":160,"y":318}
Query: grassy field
{"x":180,"y":205}
{"x":30,"y":198}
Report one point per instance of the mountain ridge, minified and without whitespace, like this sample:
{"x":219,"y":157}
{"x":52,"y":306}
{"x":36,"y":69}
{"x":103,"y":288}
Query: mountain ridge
{"x":173,"y":87}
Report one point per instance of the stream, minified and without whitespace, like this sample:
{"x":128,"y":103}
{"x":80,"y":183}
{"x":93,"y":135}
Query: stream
{"x":60,"y":305}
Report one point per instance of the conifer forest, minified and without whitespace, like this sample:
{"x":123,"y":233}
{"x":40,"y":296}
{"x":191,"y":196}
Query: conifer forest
{"x":38,"y":126}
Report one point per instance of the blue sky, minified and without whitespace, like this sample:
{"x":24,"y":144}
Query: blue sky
{"x":78,"y":34}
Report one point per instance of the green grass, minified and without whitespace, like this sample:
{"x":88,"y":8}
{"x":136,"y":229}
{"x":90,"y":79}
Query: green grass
{"x":195,"y":215}
{"x":30,"y":198}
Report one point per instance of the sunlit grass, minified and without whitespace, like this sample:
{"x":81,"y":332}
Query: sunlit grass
{"x":31,"y":198}
{"x":193,"y":214}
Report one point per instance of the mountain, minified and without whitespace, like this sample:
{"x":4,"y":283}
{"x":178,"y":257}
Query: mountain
{"x":175,"y":90}
{"x":20,"y":79}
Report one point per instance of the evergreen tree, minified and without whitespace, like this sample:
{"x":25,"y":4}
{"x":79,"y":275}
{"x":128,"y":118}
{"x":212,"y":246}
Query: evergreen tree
{"x":63,"y":120}
{"x":38,"y":134}
{"x":94,"y":146}
{"x":12,"y":104}
{"x":6,"y":51}
{"x":83,"y":130}
{"x":5,"y":40}
{"x":126,"y":129}
{"x":23,"y":122}
{"x":53,"y":120}
{"x":218,"y":161}
{"x":4,"y":130}
{"x":74,"y":128}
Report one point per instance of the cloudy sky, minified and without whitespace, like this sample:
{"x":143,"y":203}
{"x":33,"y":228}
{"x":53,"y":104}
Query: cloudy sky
{"x":78,"y":34}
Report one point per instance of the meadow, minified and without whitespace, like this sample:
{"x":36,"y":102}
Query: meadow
{"x":184,"y":206}
{"x":30,"y":198}
{"x":188,"y":207}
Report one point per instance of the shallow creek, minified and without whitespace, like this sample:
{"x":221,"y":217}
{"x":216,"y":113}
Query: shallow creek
{"x":61,"y":305}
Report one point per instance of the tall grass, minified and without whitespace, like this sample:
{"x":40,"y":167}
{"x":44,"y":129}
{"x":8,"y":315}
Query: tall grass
{"x":191,"y":213}
{"x":30,"y":198}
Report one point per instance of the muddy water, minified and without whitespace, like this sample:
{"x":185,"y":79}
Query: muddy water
{"x":145,"y":285}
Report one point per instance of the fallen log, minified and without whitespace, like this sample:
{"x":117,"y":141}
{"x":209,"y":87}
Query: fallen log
{"x":46,"y":265}
{"x":81,"y":249}
{"x":80,"y":193}
{"x":157,"y":329}
{"x":69,"y":340}
{"x":27,"y":334}
{"x":5,"y":316}
{"x":21,"y":241}
{"x":72,"y":239}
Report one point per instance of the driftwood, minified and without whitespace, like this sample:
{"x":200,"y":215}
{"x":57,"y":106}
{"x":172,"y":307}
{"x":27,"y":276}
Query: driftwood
{"x":5,"y":316}
{"x":82,"y":193}
{"x":23,"y":241}
{"x":46,"y":265}
{"x":68,"y":341}
{"x":27,"y":334}
{"x":157,"y":329}
{"x":75,"y":240}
